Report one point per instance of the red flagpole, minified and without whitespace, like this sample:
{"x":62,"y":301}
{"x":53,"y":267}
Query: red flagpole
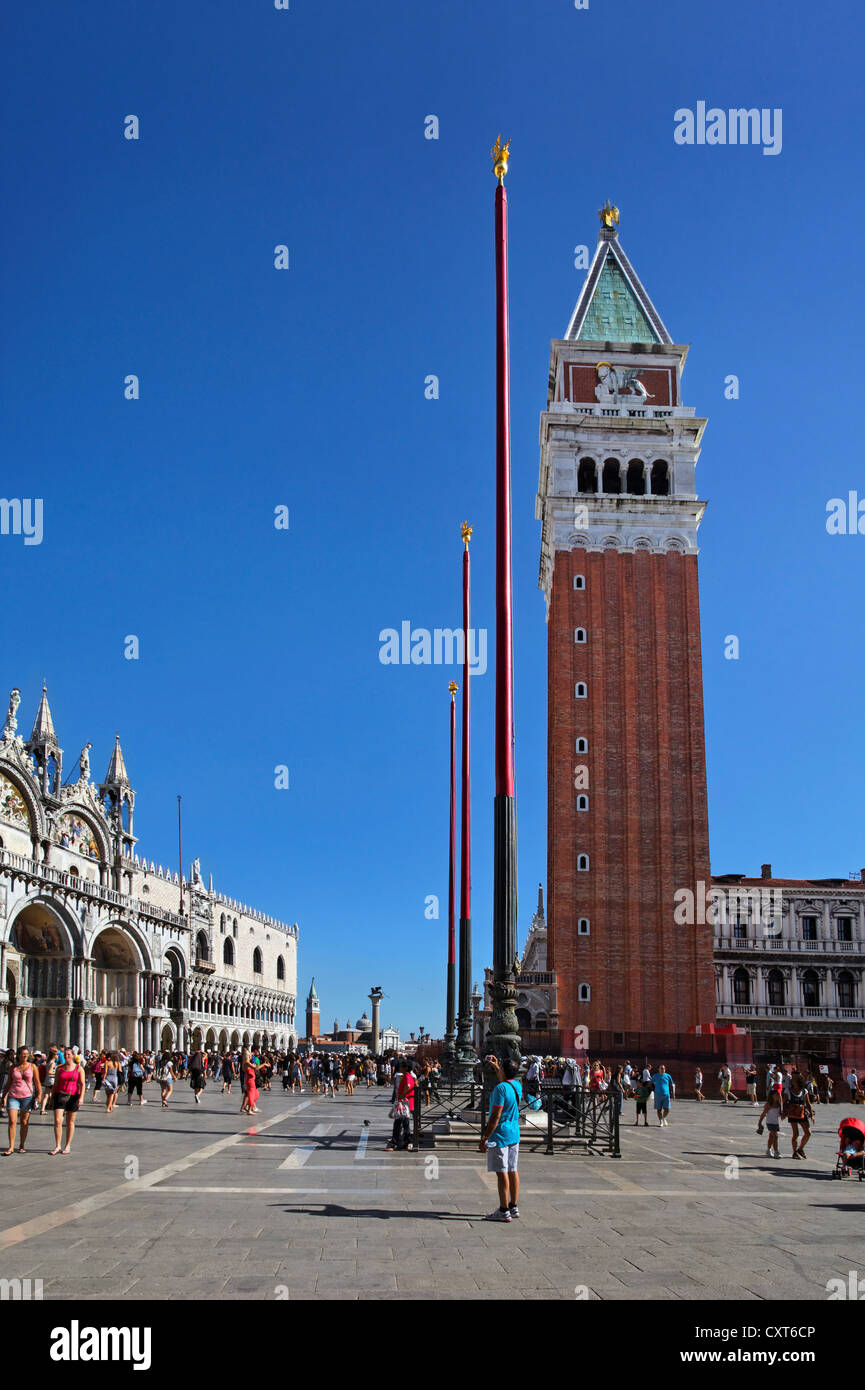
{"x":503,"y":1038}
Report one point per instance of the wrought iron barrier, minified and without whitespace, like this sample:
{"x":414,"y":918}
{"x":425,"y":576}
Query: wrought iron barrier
{"x":449,"y":1100}
{"x":577,"y":1113}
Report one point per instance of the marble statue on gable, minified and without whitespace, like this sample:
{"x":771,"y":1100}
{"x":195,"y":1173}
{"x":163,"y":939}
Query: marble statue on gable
{"x":84,"y":763}
{"x":12,"y":717}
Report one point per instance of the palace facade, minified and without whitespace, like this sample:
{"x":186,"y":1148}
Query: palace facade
{"x":101,"y":948}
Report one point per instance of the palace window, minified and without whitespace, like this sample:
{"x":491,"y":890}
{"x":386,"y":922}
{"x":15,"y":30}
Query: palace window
{"x":228,"y":951}
{"x":280,"y":968}
{"x":741,"y":987}
{"x":740,"y":930}
{"x":582,"y":745}
{"x":811,"y":990}
{"x":809,"y":928}
{"x":583,"y":863}
{"x":776,"y":989}
{"x":844,"y":928}
{"x":846,"y":990}
{"x":257,"y":965}
{"x":582,"y":802}
{"x":579,"y":581}
{"x":222,"y":923}
{"x":583,"y":927}
{"x":579,"y":634}
{"x":581,"y":691}
{"x":234,"y":928}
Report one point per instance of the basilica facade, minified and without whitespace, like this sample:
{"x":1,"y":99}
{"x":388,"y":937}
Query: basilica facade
{"x":101,"y":948}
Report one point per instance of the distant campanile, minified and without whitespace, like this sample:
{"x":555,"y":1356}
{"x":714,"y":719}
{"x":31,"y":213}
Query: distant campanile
{"x":627,"y":815}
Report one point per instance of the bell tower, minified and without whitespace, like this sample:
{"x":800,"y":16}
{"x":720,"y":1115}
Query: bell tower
{"x":627,"y":812}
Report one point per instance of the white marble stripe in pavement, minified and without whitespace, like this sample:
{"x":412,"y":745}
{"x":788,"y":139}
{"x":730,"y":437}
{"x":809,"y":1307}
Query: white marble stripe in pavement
{"x":49,"y":1221}
{"x":281,"y":1191}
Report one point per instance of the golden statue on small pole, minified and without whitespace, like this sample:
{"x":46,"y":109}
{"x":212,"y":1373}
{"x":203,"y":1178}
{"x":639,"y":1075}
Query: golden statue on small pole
{"x":466,"y":533}
{"x":500,"y":154}
{"x":609,"y":215}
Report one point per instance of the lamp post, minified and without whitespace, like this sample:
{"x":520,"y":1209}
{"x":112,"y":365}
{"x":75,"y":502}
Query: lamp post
{"x":502,"y":1036}
{"x":449,"y":1054}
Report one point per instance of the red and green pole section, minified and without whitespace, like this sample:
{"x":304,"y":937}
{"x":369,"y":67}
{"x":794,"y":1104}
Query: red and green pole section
{"x":450,"y":1025}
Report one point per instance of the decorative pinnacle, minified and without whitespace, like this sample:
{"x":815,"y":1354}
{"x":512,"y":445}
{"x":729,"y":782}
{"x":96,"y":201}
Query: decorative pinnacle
{"x":466,"y":533}
{"x":453,"y":688}
{"x":500,"y":154}
{"x":609,"y":215}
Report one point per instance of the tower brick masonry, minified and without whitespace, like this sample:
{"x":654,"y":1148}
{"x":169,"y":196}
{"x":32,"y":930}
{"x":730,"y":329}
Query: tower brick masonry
{"x":628,"y":822}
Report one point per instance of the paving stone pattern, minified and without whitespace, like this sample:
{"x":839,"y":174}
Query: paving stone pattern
{"x":306,"y":1203}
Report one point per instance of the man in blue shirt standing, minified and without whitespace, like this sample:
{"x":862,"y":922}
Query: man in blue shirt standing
{"x":501,"y":1138}
{"x":665,"y":1092}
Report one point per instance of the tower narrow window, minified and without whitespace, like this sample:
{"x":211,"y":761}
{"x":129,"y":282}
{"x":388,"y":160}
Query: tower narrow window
{"x":582,"y":802}
{"x":660,"y":478}
{"x":612,"y":476}
{"x":583,"y":863}
{"x":582,"y":745}
{"x":583,"y":927}
{"x":579,"y":581}
{"x":636,"y":478}
{"x":587,"y":476}
{"x":579,"y":634}
{"x":581,"y":691}
{"x":584,"y":993}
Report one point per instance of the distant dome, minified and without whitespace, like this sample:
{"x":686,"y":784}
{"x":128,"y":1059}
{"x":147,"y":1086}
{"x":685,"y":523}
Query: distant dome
{"x":364,"y":1024}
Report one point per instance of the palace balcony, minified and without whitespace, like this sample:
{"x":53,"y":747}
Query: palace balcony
{"x":786,"y":943}
{"x":829,"y":1014}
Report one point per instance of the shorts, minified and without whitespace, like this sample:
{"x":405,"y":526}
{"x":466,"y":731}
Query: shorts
{"x":22,"y":1103}
{"x":503,"y":1158}
{"x":773,"y":1129}
{"x":641,"y":1107}
{"x":65,"y":1101}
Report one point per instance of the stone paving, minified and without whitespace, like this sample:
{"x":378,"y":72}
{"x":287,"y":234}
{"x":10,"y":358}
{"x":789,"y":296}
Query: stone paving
{"x":194,"y":1201}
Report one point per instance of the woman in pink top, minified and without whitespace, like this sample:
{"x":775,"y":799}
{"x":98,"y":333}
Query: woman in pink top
{"x":22,"y":1092}
{"x":68,"y":1090}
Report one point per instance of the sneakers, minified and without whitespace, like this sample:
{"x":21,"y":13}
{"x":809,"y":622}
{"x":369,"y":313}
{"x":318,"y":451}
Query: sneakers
{"x":499,"y":1215}
{"x":514,"y":1211}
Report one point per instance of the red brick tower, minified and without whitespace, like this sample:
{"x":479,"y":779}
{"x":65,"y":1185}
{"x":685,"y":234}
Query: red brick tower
{"x":313,"y":1014}
{"x":627,"y":821}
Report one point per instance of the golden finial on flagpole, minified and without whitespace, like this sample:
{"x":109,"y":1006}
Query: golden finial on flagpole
{"x":453,"y":688}
{"x":500,"y":154}
{"x":466,"y":533}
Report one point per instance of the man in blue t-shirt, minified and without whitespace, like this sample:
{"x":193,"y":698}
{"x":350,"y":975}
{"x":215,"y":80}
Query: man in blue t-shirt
{"x":665,"y":1091}
{"x":501,"y":1139}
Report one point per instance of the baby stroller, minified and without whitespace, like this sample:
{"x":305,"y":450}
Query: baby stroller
{"x":850,"y":1132}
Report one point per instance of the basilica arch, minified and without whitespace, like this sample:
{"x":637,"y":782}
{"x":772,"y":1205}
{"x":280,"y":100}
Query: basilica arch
{"x":43,"y":963}
{"x":117,"y":962}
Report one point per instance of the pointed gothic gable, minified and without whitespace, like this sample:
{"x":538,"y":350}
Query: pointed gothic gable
{"x":613,"y":306}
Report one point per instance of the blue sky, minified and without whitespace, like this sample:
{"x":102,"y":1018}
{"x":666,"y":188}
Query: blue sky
{"x":306,"y":388}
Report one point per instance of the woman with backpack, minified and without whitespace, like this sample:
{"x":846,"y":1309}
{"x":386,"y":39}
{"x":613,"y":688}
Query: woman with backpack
{"x":799,"y":1111}
{"x":135,"y":1079}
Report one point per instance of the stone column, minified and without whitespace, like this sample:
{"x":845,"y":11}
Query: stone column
{"x":375,"y":1000}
